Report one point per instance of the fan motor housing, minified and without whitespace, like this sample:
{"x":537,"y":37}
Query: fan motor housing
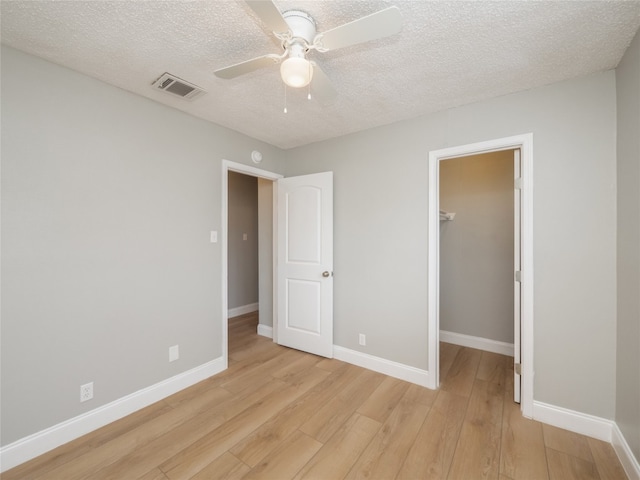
{"x":301,"y":24}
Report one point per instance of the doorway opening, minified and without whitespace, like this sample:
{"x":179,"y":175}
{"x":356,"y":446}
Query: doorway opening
{"x":523,"y":303}
{"x":266,"y":282}
{"x":302,"y":254}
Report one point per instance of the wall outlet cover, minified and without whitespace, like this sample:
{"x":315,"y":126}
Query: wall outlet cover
{"x":86,"y":392}
{"x":174,"y":353}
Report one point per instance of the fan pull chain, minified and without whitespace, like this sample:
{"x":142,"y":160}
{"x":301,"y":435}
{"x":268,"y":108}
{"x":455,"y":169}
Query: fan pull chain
{"x":309,"y":94}
{"x":285,"y":98}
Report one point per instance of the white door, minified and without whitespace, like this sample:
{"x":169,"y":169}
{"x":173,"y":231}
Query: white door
{"x":517,"y":285}
{"x":305,"y":263}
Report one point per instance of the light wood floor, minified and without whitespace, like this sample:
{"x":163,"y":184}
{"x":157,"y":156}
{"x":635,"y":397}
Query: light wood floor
{"x":282,"y":414}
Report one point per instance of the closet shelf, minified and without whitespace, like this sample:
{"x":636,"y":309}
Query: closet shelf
{"x":447,"y":216}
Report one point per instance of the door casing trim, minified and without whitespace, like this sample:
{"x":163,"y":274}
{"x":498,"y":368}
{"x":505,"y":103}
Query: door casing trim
{"x":523,"y":142}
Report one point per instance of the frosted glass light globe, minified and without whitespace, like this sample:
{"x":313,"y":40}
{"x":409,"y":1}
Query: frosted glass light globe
{"x":296,"y":72}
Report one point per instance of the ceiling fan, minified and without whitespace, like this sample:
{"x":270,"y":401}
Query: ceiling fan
{"x":297,"y":32}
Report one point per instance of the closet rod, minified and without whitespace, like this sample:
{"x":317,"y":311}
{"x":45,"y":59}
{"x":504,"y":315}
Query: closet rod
{"x":448,"y":216}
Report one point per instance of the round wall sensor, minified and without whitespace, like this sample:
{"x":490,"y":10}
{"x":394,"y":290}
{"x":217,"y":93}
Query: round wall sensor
{"x":256,"y":156}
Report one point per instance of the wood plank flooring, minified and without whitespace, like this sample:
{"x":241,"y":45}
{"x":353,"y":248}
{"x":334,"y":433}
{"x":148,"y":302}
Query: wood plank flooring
{"x":281,"y":414}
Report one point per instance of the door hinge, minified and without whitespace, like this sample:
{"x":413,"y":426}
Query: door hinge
{"x":518,"y":276}
{"x":518,"y":183}
{"x":517,"y":367}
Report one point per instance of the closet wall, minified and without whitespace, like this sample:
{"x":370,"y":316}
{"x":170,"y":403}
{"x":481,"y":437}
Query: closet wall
{"x":476,"y":247}
{"x":242,"y":241}
{"x":265,"y":250}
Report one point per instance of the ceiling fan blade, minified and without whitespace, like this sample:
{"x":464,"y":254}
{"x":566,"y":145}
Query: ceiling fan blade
{"x":377,"y":25}
{"x":241,"y":68}
{"x":321,"y":87}
{"x":269,"y":14}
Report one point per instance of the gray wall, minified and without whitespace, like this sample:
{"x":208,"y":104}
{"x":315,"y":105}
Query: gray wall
{"x":265,"y":250}
{"x":381,"y":234}
{"x":476,"y":248}
{"x":628,"y":360}
{"x":107,"y":203}
{"x":242,"y":254}
{"x":108,"y":200}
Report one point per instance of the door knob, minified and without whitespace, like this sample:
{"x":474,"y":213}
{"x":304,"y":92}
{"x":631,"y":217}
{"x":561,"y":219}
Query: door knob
{"x":326,"y":274}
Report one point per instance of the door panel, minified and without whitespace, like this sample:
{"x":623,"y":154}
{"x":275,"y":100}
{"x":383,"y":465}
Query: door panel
{"x":304,"y":227}
{"x":303,"y":302}
{"x":305,"y":263}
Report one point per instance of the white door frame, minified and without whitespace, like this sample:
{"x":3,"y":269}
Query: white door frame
{"x":228,"y":166}
{"x":525,"y":144}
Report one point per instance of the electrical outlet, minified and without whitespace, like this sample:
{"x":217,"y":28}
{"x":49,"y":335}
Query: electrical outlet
{"x":174,"y":353}
{"x":362,"y":340}
{"x":86,"y":392}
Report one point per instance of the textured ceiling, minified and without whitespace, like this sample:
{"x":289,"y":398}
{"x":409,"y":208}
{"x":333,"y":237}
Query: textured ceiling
{"x":449,"y":53}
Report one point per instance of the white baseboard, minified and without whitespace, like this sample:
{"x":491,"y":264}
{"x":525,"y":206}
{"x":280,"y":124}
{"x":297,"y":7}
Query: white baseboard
{"x":573,"y":421}
{"x":381,"y":365}
{"x":591,"y":426}
{"x":237,"y":311}
{"x":265,"y":330}
{"x":41,"y":442}
{"x":623,"y":450}
{"x":480,"y":343}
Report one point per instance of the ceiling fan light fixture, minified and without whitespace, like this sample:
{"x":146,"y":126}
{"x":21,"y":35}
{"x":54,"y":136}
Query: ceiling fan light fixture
{"x":296,"y":72}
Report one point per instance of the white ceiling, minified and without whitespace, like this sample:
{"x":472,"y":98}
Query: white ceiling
{"x":449,"y":53}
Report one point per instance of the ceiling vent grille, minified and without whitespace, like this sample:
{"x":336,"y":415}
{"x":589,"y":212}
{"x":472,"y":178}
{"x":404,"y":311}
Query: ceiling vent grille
{"x":176,"y":86}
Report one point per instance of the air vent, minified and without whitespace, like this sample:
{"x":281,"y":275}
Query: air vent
{"x":176,"y":86}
